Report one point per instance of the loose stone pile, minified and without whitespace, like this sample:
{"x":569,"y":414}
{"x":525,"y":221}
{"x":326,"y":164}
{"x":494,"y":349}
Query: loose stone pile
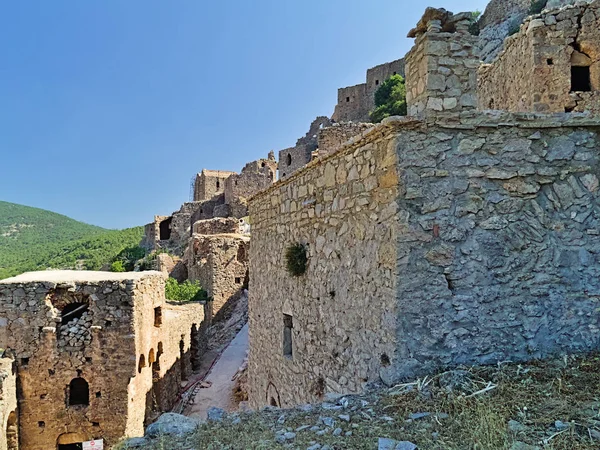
{"x":76,"y":334}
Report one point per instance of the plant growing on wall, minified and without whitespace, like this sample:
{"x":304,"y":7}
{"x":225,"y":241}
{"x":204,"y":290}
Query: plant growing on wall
{"x":474,"y":27}
{"x":296,"y":259}
{"x":390,"y":99}
{"x":184,"y":292}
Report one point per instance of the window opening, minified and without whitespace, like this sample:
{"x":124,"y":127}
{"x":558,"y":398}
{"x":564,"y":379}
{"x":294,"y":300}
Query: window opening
{"x":580,"y":79}
{"x":157,"y":316}
{"x":79,"y":392}
{"x":289,"y":159}
{"x":218,"y":184}
{"x":347,"y":99}
{"x":142,"y":363}
{"x":165,"y":229}
{"x":288,"y":324}
{"x":12,"y":432}
{"x":73,"y":311}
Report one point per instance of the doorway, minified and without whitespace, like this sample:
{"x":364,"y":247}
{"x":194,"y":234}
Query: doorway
{"x":78,"y":446}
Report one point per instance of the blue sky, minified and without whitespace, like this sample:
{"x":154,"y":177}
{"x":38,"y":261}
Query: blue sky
{"x":108,"y":108}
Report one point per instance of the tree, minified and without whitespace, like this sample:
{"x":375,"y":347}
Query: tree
{"x":390,"y":99}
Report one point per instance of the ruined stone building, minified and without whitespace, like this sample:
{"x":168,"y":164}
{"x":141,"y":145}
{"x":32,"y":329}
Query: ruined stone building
{"x":355,"y":103}
{"x":551,"y":65}
{"x":216,"y":194}
{"x":455,"y":236}
{"x":89,"y":355}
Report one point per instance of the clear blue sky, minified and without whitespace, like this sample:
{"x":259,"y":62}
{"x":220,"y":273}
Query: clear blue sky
{"x":108,"y":108}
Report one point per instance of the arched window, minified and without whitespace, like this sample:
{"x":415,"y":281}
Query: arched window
{"x":218,"y":184}
{"x":142,"y":363}
{"x":79,"y":392}
{"x":289,"y":159}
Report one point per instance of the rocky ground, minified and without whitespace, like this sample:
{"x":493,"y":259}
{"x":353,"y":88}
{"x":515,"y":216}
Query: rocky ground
{"x":542,"y":405}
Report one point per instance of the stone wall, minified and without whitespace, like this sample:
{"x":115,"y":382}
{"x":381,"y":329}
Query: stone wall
{"x":494,"y":220}
{"x":210,"y":183}
{"x":218,"y":225}
{"x":332,"y":138}
{"x":254,"y":177}
{"x":220,"y":263}
{"x":342,"y":208}
{"x":352,"y":105}
{"x":292,"y":159}
{"x":9,"y":432}
{"x":125,"y":340}
{"x":355,"y":103}
{"x":151,"y":239}
{"x":440,"y":68}
{"x":534,"y":72}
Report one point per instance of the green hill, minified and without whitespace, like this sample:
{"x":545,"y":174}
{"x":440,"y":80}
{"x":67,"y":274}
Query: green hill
{"x":35,"y":239}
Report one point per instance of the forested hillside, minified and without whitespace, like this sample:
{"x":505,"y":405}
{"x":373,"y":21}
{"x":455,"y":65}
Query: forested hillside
{"x":35,"y":239}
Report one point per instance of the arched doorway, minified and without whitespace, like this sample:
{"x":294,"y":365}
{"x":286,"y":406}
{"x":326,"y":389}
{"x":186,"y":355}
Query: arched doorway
{"x":273,"y":398}
{"x":12,"y":432}
{"x":70,"y":441}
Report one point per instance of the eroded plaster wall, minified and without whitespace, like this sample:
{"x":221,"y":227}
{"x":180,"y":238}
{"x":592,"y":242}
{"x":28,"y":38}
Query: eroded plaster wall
{"x":9,"y":432}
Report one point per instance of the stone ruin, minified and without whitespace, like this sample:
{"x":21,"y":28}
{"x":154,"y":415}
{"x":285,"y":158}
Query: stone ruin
{"x":95,"y":355}
{"x":453,"y":236}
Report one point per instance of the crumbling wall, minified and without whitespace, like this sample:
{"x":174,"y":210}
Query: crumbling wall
{"x":440,"y":68}
{"x":219,"y":225}
{"x":535,"y":71}
{"x":331,"y":138}
{"x":352,"y":105}
{"x":9,"y":431}
{"x":294,"y":158}
{"x":220,"y":263}
{"x":109,"y":354}
{"x":342,"y":210}
{"x":355,"y":103}
{"x":151,"y":239}
{"x":254,"y":177}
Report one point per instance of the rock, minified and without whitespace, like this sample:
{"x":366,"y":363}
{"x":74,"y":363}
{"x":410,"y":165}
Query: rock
{"x":314,"y":447}
{"x":172,"y":424}
{"x":215,"y":414}
{"x":302,"y":428}
{"x":518,"y":445}
{"x":136,"y":443}
{"x":391,"y":444}
{"x":560,"y":425}
{"x":455,"y":380}
{"x":288,"y":436}
{"x":337,"y":432}
{"x":516,"y":427}
{"x":344,"y":417}
{"x":328,"y":421}
{"x":417,"y":416}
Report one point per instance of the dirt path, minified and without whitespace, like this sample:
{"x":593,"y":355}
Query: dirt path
{"x":220,"y":393}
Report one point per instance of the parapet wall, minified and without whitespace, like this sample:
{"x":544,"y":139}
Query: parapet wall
{"x":535,"y":72}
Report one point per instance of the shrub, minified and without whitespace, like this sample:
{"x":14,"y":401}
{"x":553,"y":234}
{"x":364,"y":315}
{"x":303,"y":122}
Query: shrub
{"x":390,"y":99}
{"x":128,"y":257}
{"x":474,"y":27}
{"x":184,"y":292}
{"x":117,"y":266}
{"x":537,"y":6}
{"x":295,"y":258}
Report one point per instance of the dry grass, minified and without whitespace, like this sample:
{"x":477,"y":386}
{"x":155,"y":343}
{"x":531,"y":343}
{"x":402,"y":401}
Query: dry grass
{"x":473,"y":415}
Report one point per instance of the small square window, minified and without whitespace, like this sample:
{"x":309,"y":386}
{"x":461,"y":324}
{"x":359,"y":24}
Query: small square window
{"x":41,"y":424}
{"x":347,"y":99}
{"x":376,"y":82}
{"x":550,"y":61}
{"x":238,"y":280}
{"x":580,"y":79}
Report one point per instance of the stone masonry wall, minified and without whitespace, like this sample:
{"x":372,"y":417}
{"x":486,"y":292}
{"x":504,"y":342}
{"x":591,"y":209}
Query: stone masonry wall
{"x":342,"y":208}
{"x":332,"y":138}
{"x":8,"y":405}
{"x":218,"y":225}
{"x":220,"y":263}
{"x":116,"y":346}
{"x":499,"y":248}
{"x":352,"y":105}
{"x":533,"y":73}
{"x":210,"y":183}
{"x":254,"y":177}
{"x":440,"y":75}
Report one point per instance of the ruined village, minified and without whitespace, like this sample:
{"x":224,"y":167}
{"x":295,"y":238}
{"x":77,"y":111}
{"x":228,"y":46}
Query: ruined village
{"x":466,"y":233}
